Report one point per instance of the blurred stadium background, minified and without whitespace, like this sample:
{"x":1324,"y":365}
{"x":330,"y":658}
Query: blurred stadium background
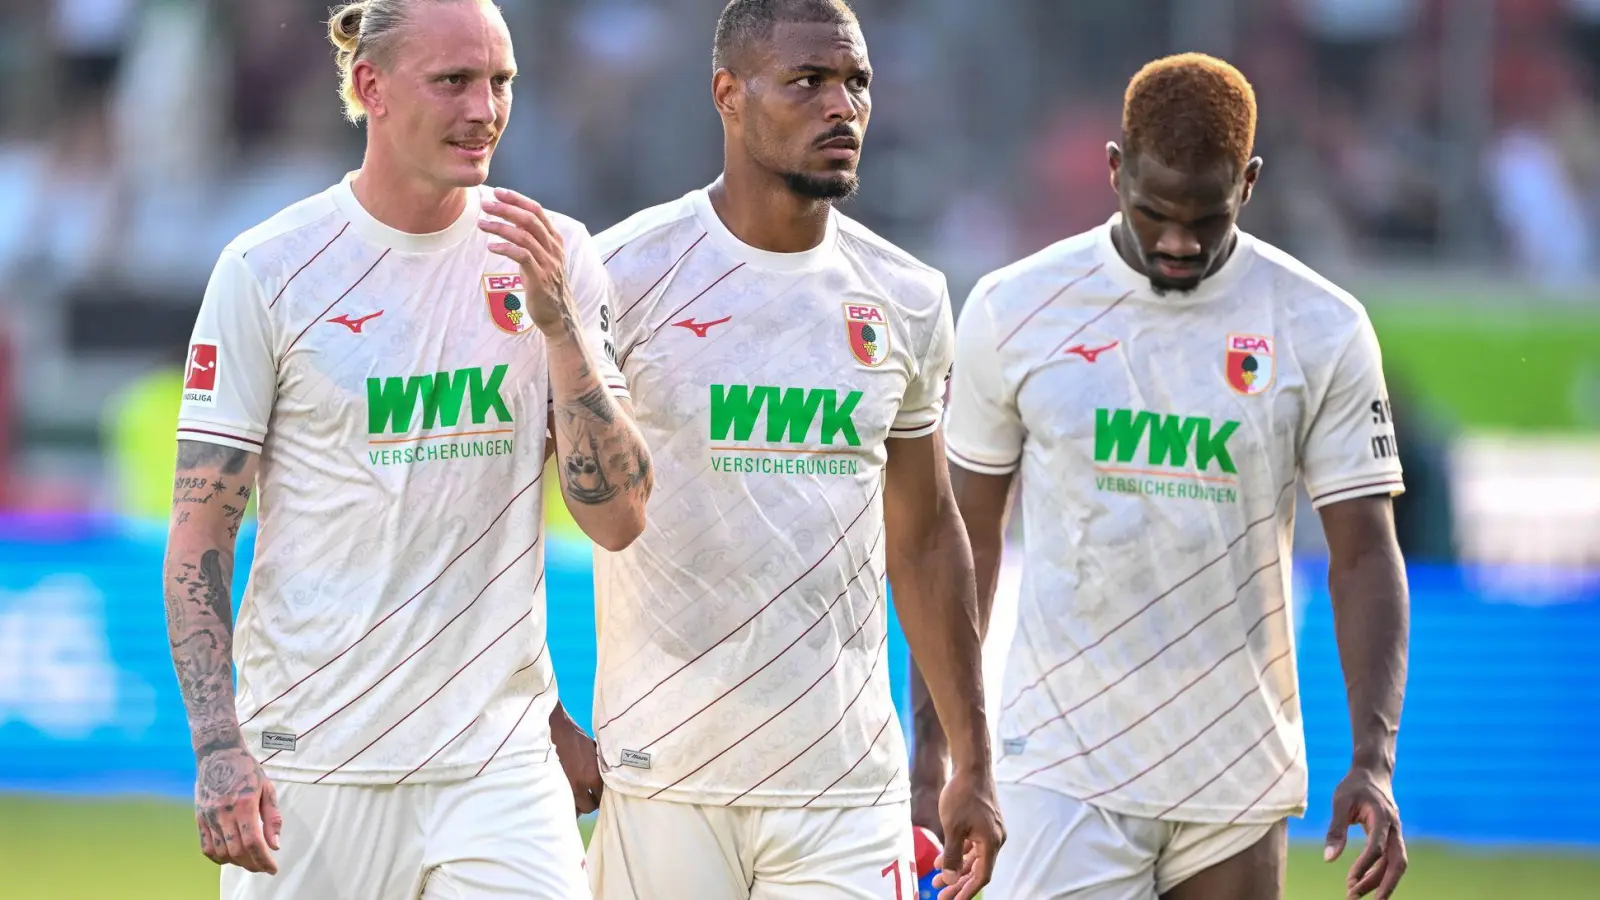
{"x":1441,"y":159}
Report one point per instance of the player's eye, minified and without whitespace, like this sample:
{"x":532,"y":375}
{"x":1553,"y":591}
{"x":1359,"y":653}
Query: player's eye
{"x":859,"y":82}
{"x":456,"y":79}
{"x":501,"y":81}
{"x":809,"y":81}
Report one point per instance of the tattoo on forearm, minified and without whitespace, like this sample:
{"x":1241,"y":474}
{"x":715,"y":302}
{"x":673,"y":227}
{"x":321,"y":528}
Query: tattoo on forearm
{"x":585,"y":476}
{"x":603,"y":456}
{"x":200,"y":630}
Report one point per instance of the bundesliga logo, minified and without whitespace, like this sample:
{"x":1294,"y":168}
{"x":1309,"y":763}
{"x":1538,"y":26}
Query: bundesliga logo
{"x":200,"y":379}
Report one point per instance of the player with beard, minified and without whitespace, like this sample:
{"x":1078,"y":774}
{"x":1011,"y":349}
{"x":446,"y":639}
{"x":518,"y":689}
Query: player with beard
{"x":1162,"y":383}
{"x":788,"y":370}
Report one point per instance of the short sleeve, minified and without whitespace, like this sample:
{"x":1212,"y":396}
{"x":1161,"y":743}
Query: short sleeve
{"x":985,"y":432}
{"x":231,"y":371}
{"x":1350,"y":449}
{"x":923,"y":406}
{"x":595,"y":294}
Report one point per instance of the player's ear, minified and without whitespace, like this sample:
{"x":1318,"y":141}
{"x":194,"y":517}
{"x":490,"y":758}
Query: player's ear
{"x":725,"y":93}
{"x":1114,"y":161}
{"x":1252,"y":171}
{"x":366,"y":80}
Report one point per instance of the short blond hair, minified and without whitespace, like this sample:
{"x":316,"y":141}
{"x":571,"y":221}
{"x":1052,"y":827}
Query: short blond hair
{"x":366,"y":29}
{"x":1190,"y":109}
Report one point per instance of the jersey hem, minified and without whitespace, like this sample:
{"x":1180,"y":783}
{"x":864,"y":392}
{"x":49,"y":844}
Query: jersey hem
{"x":1165,"y":812}
{"x":205,"y":432}
{"x":982,"y":468}
{"x":1390,"y":486}
{"x":829,"y":799}
{"x":913,"y":431}
{"x":424,"y":775}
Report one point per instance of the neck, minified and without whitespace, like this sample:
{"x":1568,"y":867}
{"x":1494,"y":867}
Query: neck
{"x":404,"y":201}
{"x":760,"y":209}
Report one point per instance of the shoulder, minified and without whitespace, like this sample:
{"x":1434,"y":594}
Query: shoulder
{"x":650,"y":231}
{"x":1315,"y":306}
{"x":913,"y":282}
{"x":290,"y":238}
{"x":1022,"y":285}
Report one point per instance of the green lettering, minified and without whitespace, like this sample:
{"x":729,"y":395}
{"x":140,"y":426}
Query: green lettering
{"x":735,"y":407}
{"x":1208,"y":446}
{"x":1169,"y":439}
{"x":390,"y":402}
{"x":836,"y":418}
{"x":486,"y":396}
{"x":441,"y":398}
{"x":791,"y":410}
{"x":1117,"y":433}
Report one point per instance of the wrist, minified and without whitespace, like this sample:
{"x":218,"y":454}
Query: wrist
{"x":216,"y":739}
{"x":1376,"y":758}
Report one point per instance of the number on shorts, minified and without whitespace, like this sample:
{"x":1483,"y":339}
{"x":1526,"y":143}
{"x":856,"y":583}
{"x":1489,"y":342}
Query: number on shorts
{"x":899,"y":887}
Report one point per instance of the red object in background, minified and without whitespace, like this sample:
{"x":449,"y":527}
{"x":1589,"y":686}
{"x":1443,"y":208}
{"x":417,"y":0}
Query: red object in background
{"x":927,"y":850}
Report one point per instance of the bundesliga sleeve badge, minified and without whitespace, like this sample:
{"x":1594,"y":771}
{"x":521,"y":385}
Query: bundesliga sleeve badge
{"x":1249,"y":363}
{"x":869,"y":332}
{"x":504,"y":294}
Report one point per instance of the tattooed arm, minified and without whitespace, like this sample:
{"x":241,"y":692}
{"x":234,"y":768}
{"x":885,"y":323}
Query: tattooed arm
{"x":235,"y":806}
{"x":601,"y":458}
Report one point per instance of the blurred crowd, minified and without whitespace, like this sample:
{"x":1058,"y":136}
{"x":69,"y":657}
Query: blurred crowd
{"x":138,"y":136}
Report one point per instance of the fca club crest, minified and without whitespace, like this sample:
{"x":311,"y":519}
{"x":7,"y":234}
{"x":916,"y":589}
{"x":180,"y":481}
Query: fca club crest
{"x":869,"y":332}
{"x":1249,"y":363}
{"x":505,"y":296}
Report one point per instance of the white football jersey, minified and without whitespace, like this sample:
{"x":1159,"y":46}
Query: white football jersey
{"x":393,"y":627}
{"x":742,"y":654}
{"x":1159,"y":440}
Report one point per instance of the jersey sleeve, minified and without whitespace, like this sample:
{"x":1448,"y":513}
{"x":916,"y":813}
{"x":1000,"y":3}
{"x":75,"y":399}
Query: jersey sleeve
{"x":985,"y":432}
{"x":1350,"y":449}
{"x":595,"y":296}
{"x":231,"y":373}
{"x":923,"y":406}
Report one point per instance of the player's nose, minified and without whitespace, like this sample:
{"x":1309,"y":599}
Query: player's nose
{"x":1178,"y":242}
{"x":839,"y":104}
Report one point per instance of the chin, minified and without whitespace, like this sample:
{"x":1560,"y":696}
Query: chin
{"x":834,"y":185}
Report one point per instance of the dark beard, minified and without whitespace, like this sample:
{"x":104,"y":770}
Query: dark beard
{"x":841,"y":186}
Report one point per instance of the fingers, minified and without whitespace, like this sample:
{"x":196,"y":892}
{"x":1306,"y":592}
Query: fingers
{"x":210,"y":839}
{"x":955,"y":846}
{"x":271,"y":816}
{"x":529,"y":217}
{"x":1337,"y":829}
{"x":1394,"y":857}
{"x":252,"y":853}
{"x":520,"y":247}
{"x":238,"y":835}
{"x":975,"y":871}
{"x":1377,"y":828}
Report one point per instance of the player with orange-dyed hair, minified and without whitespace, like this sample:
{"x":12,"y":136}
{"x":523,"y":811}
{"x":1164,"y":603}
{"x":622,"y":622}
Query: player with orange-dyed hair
{"x":1163,"y":383}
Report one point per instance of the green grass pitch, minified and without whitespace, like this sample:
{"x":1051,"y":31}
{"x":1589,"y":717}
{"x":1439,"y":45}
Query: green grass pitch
{"x":58,"y":849}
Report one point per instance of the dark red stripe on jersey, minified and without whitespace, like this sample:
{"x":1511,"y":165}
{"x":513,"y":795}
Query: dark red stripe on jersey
{"x":669,"y":271}
{"x":412,"y":655}
{"x":843,"y":645}
{"x":1387,"y":482}
{"x":397,"y":609}
{"x":975,"y":465}
{"x":304,"y":267}
{"x":1157,"y":599}
{"x":1158,"y":654}
{"x":853,"y":765}
{"x":612,"y":255}
{"x":886,"y":784}
{"x":1097,"y":317}
{"x":440,"y":689}
{"x":847,"y":707}
{"x":518,"y":724}
{"x":336,"y":302}
{"x":1270,"y":785}
{"x":799,"y":637}
{"x":843,"y":533}
{"x":431,"y":756}
{"x":1196,"y":736}
{"x":1229,"y":767}
{"x":674,"y":314}
{"x":222,"y":434}
{"x":1170,"y":700}
{"x":1041,"y":308}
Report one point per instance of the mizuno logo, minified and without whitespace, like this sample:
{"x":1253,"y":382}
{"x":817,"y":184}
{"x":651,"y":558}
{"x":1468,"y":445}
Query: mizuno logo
{"x":700,"y":328}
{"x":354,"y":324}
{"x":1090,"y":353}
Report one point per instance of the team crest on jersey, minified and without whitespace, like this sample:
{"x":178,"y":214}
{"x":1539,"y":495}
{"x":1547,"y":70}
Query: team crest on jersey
{"x":507,"y":303}
{"x":1249,"y":363}
{"x":869,"y":332}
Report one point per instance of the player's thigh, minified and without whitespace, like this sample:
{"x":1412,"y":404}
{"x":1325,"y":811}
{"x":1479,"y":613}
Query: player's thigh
{"x":643,"y":849}
{"x":1225,"y":862}
{"x":862,"y":853}
{"x":510,"y":834}
{"x":347,"y":841}
{"x":1060,"y":848}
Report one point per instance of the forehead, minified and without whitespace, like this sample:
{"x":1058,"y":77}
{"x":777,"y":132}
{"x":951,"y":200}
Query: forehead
{"x":461,"y":35}
{"x":1154,"y":183}
{"x":794,"y":44}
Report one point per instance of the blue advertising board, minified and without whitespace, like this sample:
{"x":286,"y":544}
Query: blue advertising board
{"x":1499,"y":741}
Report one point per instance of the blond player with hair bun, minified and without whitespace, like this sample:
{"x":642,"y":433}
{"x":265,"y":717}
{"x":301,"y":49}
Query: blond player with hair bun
{"x":390,"y":363}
